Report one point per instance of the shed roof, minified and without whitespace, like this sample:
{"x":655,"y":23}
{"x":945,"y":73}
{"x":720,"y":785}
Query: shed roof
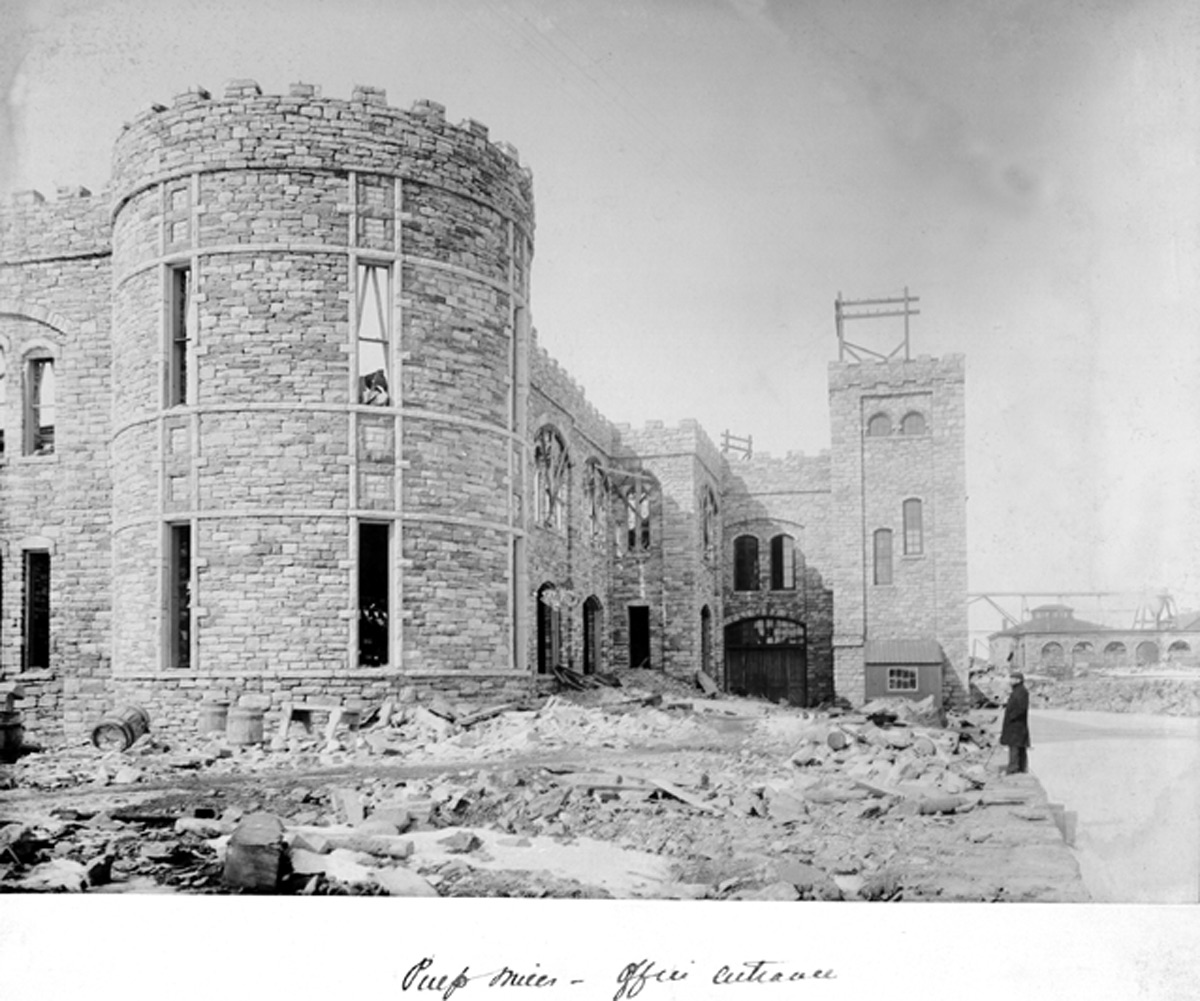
{"x":903,"y":652}
{"x":1047,"y":625}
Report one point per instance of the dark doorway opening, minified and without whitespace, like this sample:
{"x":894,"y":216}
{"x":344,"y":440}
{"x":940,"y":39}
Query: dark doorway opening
{"x":549,"y":627}
{"x":639,"y":636}
{"x":591,"y":635}
{"x":767,"y":657}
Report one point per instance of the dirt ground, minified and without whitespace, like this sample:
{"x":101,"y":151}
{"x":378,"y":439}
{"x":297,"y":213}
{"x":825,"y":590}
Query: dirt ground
{"x":647,"y":790}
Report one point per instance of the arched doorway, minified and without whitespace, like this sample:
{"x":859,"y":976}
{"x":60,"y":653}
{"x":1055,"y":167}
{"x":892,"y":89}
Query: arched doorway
{"x":592,"y":618}
{"x":767,"y":657}
{"x":1147,"y":653}
{"x":549,"y":628}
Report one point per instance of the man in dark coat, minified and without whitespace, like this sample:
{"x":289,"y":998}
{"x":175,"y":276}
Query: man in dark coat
{"x":1014,"y":733}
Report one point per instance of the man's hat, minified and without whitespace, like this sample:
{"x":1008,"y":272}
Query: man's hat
{"x":1016,"y":676}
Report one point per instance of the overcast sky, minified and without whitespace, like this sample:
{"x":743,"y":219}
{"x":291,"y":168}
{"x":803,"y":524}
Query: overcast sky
{"x":709,"y":174}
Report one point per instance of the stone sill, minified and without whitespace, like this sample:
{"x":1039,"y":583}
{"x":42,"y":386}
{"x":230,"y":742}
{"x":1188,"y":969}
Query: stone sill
{"x":302,"y":675}
{"x":29,"y":676}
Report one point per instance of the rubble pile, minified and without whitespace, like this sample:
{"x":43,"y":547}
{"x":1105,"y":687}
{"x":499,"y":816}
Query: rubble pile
{"x":1120,"y":694}
{"x":594,"y":793}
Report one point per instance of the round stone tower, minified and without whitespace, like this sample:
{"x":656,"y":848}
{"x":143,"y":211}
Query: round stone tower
{"x":320,"y":338}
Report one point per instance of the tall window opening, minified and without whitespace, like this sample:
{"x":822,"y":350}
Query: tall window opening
{"x":373,"y":333}
{"x":179,"y":596}
{"x":39,"y":407}
{"x":639,"y":636}
{"x":783,"y":563}
{"x":595,"y":499}
{"x":550,"y":470}
{"x":592,"y":610}
{"x":549,"y":624}
{"x":636,"y":498}
{"x":3,"y":398}
{"x":913,"y":423}
{"x":706,"y":640}
{"x":179,"y":330}
{"x":708,"y":524}
{"x":745,"y":563}
{"x":914,"y":531}
{"x":36,"y":617}
{"x":374,"y":561}
{"x":883,"y":556}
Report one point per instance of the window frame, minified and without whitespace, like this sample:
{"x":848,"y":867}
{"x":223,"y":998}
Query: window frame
{"x":551,"y":479}
{"x":637,"y":501}
{"x":36,"y":616}
{"x":370,"y":391}
{"x":365,"y":526}
{"x":912,"y":516}
{"x":709,"y":514}
{"x":909,"y":673}
{"x":905,"y":424}
{"x":873,"y":422}
{"x":37,"y":363}
{"x":783,"y":562}
{"x":882,"y":560}
{"x":180,"y":327}
{"x":747,"y":567}
{"x":178,"y":593}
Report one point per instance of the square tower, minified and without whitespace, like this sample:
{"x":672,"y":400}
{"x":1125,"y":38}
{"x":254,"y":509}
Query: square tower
{"x":898,"y":520}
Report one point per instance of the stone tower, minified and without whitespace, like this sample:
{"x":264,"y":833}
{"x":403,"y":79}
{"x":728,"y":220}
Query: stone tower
{"x":320,"y":336}
{"x":898,"y":518}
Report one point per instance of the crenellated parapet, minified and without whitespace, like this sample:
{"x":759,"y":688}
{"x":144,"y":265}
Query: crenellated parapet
{"x":897,"y":374}
{"x":33,"y":228}
{"x":795,"y":472}
{"x":244,"y":129}
{"x":548,"y":377}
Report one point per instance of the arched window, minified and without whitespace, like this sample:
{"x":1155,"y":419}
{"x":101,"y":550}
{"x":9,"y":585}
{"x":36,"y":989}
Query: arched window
{"x":1082,"y":652}
{"x":914,"y":529}
{"x":879,"y":426}
{"x":1052,"y":655}
{"x":1147,"y":652}
{"x":1115,"y":652}
{"x":39,"y":405}
{"x":913,"y":423}
{"x":1178,"y":649}
{"x":549,"y":628}
{"x":783,"y":563}
{"x":550,"y":469}
{"x":708,"y":524}
{"x":883,"y":556}
{"x":745,"y":563}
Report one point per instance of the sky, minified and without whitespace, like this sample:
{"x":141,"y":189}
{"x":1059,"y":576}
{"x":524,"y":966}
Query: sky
{"x":711,"y":174}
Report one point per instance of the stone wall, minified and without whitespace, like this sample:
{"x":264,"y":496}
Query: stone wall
{"x":55,"y":277}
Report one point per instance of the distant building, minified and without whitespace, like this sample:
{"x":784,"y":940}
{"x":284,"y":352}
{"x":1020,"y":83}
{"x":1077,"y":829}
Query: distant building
{"x":276,"y":422}
{"x":1055,"y":643}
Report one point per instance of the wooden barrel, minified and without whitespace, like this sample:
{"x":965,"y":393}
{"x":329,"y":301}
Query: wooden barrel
{"x":119,"y":730}
{"x":214,"y":716}
{"x":12,"y":735}
{"x":244,"y":726}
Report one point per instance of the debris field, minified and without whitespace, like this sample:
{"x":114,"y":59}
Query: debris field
{"x":646,"y":787}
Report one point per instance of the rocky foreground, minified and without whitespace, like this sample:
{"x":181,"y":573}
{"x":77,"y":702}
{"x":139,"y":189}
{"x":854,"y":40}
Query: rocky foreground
{"x":647,"y":790}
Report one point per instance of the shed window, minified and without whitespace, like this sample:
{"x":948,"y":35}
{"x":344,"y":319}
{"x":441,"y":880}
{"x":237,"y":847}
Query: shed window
{"x":913,"y":423}
{"x":914,"y":532}
{"x":39,"y":407}
{"x":745,"y":563}
{"x":879,"y":426}
{"x":902,"y":679}
{"x":883,"y":556}
{"x":373,"y":333}
{"x":783,"y":563}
